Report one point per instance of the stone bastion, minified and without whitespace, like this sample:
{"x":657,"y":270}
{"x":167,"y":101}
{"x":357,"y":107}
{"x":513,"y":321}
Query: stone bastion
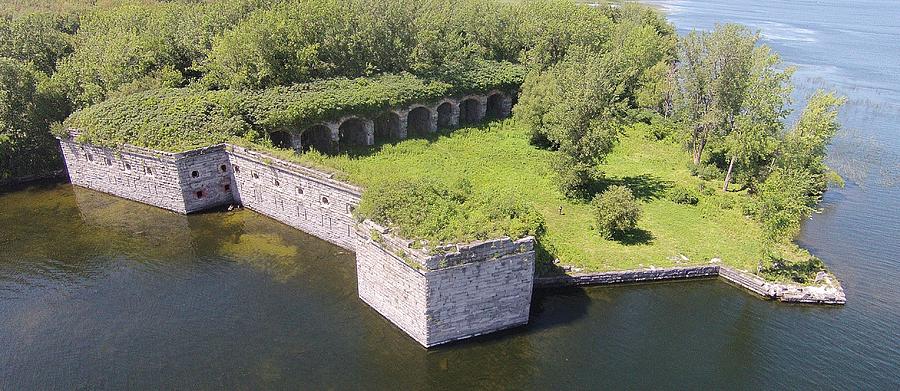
{"x":436,"y":296}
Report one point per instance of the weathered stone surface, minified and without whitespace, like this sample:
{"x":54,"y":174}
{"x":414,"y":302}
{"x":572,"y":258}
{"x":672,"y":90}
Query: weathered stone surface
{"x":448,"y":302}
{"x":628,"y":276}
{"x":829,"y":293}
{"x":144,"y":176}
{"x":303,"y":198}
{"x":466,"y":290}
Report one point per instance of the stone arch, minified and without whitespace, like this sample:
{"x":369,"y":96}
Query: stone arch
{"x":470,"y":111}
{"x":418,"y":122}
{"x":445,"y":117}
{"x":387,"y":126}
{"x":496,"y":106}
{"x":354,"y":132}
{"x":281,"y":139}
{"x":318,"y":137}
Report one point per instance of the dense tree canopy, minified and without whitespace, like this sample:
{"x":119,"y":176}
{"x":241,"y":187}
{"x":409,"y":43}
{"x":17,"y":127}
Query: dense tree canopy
{"x":157,"y":73}
{"x":96,"y":50}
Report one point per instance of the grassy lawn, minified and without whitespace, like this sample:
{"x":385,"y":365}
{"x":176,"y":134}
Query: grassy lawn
{"x":498,"y":157}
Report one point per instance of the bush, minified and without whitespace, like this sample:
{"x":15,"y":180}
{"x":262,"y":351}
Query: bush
{"x":680,"y":195}
{"x":798,"y":271}
{"x":616,"y":210}
{"x":707,"y":171}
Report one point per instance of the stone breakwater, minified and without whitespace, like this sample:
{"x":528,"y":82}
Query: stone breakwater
{"x":830,"y":292}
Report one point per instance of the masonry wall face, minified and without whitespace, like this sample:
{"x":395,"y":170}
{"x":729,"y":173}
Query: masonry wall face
{"x":141,"y":177}
{"x":392,"y":287}
{"x":479,"y":297}
{"x":296,"y":196}
{"x":206,"y":179}
{"x":489,"y":292}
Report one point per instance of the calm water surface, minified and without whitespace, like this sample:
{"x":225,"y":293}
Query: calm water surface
{"x":99,"y":292}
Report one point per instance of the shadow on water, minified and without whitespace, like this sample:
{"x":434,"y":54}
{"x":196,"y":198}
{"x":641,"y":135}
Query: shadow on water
{"x":545,"y":314}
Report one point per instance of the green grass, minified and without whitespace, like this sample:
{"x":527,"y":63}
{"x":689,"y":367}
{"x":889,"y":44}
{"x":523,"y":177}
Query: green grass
{"x":498,"y":157}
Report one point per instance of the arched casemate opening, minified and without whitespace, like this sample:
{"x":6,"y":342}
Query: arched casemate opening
{"x":281,"y":139}
{"x":469,"y":111}
{"x":445,"y":115}
{"x":418,"y":122}
{"x":387,"y":126}
{"x":318,"y":137}
{"x":352,"y":133}
{"x":495,"y":105}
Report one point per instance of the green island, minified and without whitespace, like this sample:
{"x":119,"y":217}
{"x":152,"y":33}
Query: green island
{"x":629,"y":147}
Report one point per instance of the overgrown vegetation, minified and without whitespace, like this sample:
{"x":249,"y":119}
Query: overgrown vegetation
{"x":727,"y":94}
{"x":185,"y":118}
{"x":91,"y":51}
{"x":714,"y":228}
{"x":609,"y":96}
{"x":438,"y":213}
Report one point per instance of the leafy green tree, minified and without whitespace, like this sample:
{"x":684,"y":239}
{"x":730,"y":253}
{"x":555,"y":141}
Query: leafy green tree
{"x":616,"y":211}
{"x":713,"y":73}
{"x":301,"y":40}
{"x":26,"y":147}
{"x":784,"y":201}
{"x":790,"y":193}
{"x":806,"y":145}
{"x":578,"y":106}
{"x":754,"y":137}
{"x":117,"y":46}
{"x":37,"y":39}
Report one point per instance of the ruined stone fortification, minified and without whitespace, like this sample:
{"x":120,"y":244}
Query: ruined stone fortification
{"x":455,"y":292}
{"x":465,"y":291}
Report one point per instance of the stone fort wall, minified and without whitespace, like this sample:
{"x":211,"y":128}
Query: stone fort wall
{"x":441,"y":298}
{"x":303,"y":198}
{"x":464,"y":291}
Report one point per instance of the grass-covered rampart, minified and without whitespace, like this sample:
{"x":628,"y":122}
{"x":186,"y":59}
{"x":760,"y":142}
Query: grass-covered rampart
{"x":177,"y":119}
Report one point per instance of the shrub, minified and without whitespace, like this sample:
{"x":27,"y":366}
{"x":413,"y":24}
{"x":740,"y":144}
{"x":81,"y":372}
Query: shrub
{"x":616,"y":211}
{"x":680,"y":195}
{"x":726,"y":203}
{"x":798,"y":271}
{"x":707,"y":171}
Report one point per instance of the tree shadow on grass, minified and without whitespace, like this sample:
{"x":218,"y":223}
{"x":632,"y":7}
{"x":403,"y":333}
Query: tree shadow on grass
{"x":544,"y":261}
{"x":644,"y":186}
{"x":634,"y":236}
{"x":358,"y":151}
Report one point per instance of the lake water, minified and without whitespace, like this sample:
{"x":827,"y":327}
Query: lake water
{"x":99,"y":292}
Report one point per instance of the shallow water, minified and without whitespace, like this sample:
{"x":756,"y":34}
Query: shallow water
{"x":99,"y":292}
